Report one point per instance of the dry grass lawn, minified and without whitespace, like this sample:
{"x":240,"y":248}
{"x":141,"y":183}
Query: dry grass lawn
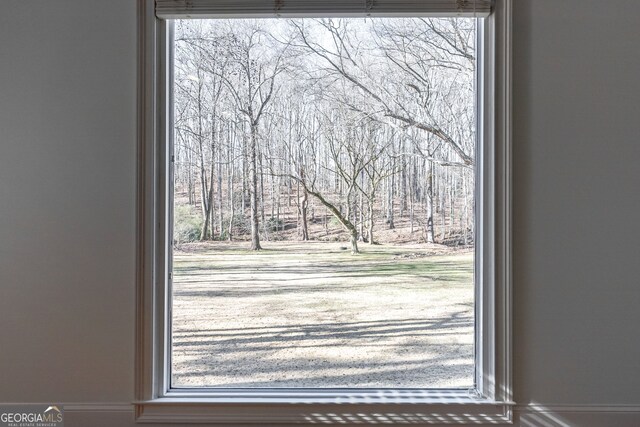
{"x":313,"y":315}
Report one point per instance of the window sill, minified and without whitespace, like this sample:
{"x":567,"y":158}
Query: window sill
{"x":387,"y":407}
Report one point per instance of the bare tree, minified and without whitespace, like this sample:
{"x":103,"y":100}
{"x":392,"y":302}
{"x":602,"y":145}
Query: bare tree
{"x":409,"y":96}
{"x":252,"y":84}
{"x":363,"y":118}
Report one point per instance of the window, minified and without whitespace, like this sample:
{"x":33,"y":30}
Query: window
{"x":328,"y":112}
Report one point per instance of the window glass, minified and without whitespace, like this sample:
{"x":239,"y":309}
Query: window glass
{"x":323,"y":216}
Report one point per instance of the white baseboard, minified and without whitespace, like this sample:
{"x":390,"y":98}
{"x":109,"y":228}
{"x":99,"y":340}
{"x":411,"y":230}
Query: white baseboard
{"x":535,"y":407}
{"x":98,"y":407}
{"x":538,"y":415}
{"x":98,"y":414}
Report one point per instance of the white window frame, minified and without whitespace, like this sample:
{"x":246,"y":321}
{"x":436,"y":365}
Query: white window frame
{"x":489,"y":402}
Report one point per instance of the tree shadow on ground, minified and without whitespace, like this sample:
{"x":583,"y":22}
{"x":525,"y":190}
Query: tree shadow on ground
{"x":219,"y":357}
{"x":294,"y":320}
{"x":257,"y":338}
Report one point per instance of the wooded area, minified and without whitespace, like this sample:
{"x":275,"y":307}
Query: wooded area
{"x":285,"y":126}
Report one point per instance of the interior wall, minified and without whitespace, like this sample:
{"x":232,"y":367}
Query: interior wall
{"x":67,"y":200}
{"x":67,"y":204}
{"x":576,"y":201}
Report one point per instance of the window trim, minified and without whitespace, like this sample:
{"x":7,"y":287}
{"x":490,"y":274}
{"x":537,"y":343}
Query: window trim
{"x":176,"y":9}
{"x":491,"y":401}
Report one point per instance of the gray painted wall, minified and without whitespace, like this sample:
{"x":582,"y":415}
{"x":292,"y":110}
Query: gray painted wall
{"x":67,"y":204}
{"x":577,"y":200}
{"x":67,"y":199}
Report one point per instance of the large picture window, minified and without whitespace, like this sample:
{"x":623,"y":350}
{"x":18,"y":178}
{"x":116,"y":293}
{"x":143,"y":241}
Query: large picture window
{"x":323,"y":216}
{"x":324,"y":212}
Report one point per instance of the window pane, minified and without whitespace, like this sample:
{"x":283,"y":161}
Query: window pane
{"x":323,"y":203}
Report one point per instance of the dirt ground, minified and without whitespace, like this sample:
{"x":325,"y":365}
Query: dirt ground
{"x":310,"y":314}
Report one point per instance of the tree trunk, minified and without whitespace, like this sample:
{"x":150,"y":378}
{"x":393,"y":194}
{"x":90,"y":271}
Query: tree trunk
{"x":262,"y":215}
{"x":220,"y":213}
{"x":303,"y":204}
{"x":354,"y":242}
{"x":190,"y":189}
{"x":430,"y":232}
{"x":344,"y":219}
{"x":253,"y":181}
{"x":230,"y":187}
{"x":361,"y":215}
{"x":231,"y":209}
{"x":204,"y":190}
{"x":303,"y":215}
{"x":371,"y":220}
{"x":403,"y":183}
{"x":390,"y":206}
{"x":207,"y":212}
{"x":245,"y":173}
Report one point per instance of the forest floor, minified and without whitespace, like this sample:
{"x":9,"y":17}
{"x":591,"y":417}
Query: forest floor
{"x":310,"y":314}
